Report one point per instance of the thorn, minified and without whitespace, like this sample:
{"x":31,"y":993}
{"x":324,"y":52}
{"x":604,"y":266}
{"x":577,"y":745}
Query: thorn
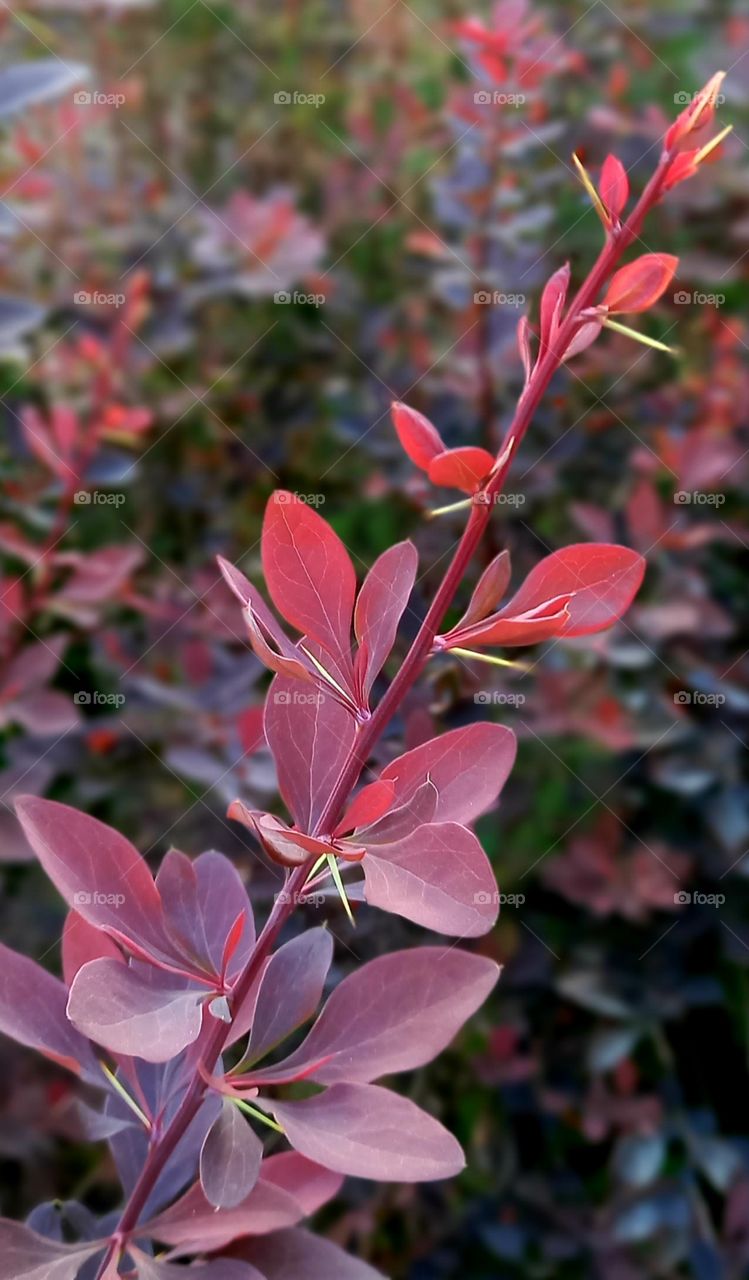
{"x":334,"y":871}
{"x":640,"y":337}
{"x":488,"y":657}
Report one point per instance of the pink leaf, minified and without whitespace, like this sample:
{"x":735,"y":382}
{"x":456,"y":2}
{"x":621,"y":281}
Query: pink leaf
{"x":438,"y":877}
{"x":462,"y":469}
{"x":379,"y":608}
{"x":614,"y":185}
{"x":125,"y":1011}
{"x":310,"y":736}
{"x":419,"y":439}
{"x":468,"y":767}
{"x":219,"y":1269}
{"x":287,"y":1255}
{"x":43,"y":712}
{"x":24,"y":1255}
{"x":289,"y":1188}
{"x":100,"y":574}
{"x":97,"y":871}
{"x":394,"y":1014}
{"x":35,"y":665}
{"x":369,"y":1132}
{"x":309,"y":574}
{"x":230,"y":1159}
{"x":552,"y":303}
{"x":81,"y":942}
{"x":290,"y":990}
{"x":585,"y":336}
{"x":32,"y":1012}
{"x":641,"y":283}
{"x":524,"y":346}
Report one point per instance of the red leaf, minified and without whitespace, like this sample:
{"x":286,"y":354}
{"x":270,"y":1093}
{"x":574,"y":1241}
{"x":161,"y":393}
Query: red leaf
{"x":81,"y":942}
{"x":614,"y":185}
{"x":641,"y":283}
{"x":462,"y":469}
{"x":468,"y":767}
{"x":379,"y":608}
{"x":367,"y":806}
{"x":488,"y":591}
{"x":573,"y":592}
{"x":310,"y":737}
{"x":420,"y":440}
{"x":290,"y":990}
{"x":32,"y":1012}
{"x":309,"y":574}
{"x":130,"y":1011}
{"x":293,"y":1253}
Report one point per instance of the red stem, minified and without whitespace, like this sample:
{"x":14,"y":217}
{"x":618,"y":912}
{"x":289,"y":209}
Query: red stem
{"x":549,"y":361}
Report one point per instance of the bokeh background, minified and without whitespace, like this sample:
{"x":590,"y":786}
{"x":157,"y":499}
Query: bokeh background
{"x":231,"y":232}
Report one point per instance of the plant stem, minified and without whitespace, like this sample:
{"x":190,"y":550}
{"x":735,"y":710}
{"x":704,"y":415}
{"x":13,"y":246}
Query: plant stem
{"x":549,"y":361}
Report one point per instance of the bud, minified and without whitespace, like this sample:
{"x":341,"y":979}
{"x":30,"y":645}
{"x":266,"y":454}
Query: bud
{"x":699,"y":112}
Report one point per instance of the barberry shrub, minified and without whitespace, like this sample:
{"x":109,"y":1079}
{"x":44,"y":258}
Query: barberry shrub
{"x":175,"y":1010}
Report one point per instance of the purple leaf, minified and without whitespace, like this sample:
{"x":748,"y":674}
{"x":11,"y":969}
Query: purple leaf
{"x":310,"y":736}
{"x":438,"y":877}
{"x":202,"y":900}
{"x":369,"y":1132}
{"x":379,"y":608}
{"x":26,"y":1256}
{"x":290,"y":990}
{"x":32,"y":1011}
{"x":394,"y":1014}
{"x":230,"y":1159}
{"x":287,"y":1255}
{"x":43,"y":712}
{"x":468,"y":766}
{"x":309,"y":574}
{"x":289,"y":1188}
{"x":220,"y":1269}
{"x":125,"y":1011}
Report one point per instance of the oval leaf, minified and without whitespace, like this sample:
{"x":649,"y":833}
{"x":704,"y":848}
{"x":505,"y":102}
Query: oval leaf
{"x":230,"y":1159}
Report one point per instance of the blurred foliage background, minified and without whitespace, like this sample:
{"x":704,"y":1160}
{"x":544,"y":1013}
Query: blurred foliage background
{"x":231,"y":233}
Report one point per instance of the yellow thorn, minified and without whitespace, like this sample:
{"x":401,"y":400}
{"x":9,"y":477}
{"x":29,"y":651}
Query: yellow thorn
{"x":589,"y":187}
{"x":451,"y":506}
{"x":488,"y":657}
{"x":334,"y":871}
{"x":640,"y":337}
{"x":122,"y":1091}
{"x":257,"y":1115}
{"x":710,"y":146}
